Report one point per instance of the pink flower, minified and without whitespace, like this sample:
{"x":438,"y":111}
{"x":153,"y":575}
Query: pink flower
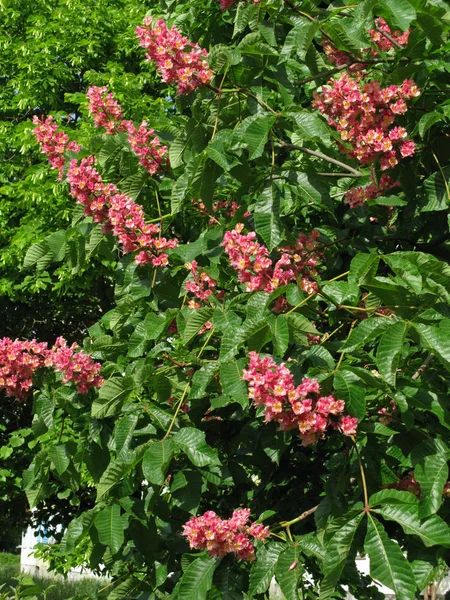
{"x":294,"y":407}
{"x":19,"y":360}
{"x":363,"y":113}
{"x":225,"y":536}
{"x":176,"y":58}
{"x":107,"y":113}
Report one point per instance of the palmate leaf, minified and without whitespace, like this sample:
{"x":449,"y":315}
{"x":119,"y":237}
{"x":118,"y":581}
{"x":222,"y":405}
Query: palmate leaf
{"x":387,"y":563}
{"x":197,"y":579}
{"x":390,"y":349}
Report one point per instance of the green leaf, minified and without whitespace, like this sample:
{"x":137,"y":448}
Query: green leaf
{"x":197,"y":579}
{"x":201,"y":379}
{"x":309,"y":126}
{"x":362,"y":267}
{"x":349,"y":387}
{"x":112,"y":395}
{"x":195,"y":322}
{"x":192,"y":442}
{"x":337,"y":552}
{"x":263,"y":568}
{"x":287,"y":572}
{"x":406,"y":272}
{"x":299,"y":39}
{"x":232,"y":382}
{"x":113,"y":475}
{"x":156,"y":461}
{"x":280,"y":334}
{"x":365,"y":332}
{"x":427,"y":121}
{"x":435,"y":190}
{"x":430,"y":459}
{"x":401,"y":13}
{"x":109,"y":525}
{"x":433,"y":531}
{"x":57,"y":244}
{"x":38,"y":254}
{"x":60,"y":457}
{"x":436,"y":340}
{"x":390,"y":350}
{"x":387,"y":563}
{"x":186,"y":490}
{"x":267,"y":217}
{"x":253,"y":132}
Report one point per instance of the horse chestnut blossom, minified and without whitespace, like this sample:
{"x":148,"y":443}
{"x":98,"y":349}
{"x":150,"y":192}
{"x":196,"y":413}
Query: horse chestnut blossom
{"x":176,"y":58}
{"x":293,"y":407}
{"x":225,"y":536}
{"x":251,"y":260}
{"x":357,"y":196}
{"x":54,"y":143}
{"x":118,"y":213}
{"x":107,"y":113}
{"x":384,"y":43}
{"x":201,"y":285}
{"x":364,"y":115}
{"x":19,"y":360}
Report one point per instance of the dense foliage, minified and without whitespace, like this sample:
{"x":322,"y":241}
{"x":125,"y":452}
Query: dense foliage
{"x":274,"y":366}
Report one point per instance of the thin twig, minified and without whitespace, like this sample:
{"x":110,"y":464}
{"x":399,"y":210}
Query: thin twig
{"x":423,"y":366}
{"x":305,"y":514}
{"x":363,"y":477}
{"x":389,"y":37}
{"x":329,"y":159}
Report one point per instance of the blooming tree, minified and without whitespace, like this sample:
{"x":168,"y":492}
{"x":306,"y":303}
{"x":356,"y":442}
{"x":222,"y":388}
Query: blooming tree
{"x":267,"y":398}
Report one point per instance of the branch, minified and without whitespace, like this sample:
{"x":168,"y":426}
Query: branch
{"x":389,"y":37}
{"x":423,"y":366}
{"x":351,"y":170}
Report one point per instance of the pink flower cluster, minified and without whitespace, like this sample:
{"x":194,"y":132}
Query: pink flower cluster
{"x":118,"y":212}
{"x":357,"y":196}
{"x":177,"y":59}
{"x":201,"y":285}
{"x":226,"y":4}
{"x":293,"y":407}
{"x":255,"y":268}
{"x":383,"y":42}
{"x":19,"y":360}
{"x":77,"y":366}
{"x":107,"y":113}
{"x":225,"y":536}
{"x":54,"y":143}
{"x":363,"y":113}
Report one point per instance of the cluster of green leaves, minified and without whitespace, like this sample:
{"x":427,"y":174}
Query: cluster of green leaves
{"x":172,"y":432}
